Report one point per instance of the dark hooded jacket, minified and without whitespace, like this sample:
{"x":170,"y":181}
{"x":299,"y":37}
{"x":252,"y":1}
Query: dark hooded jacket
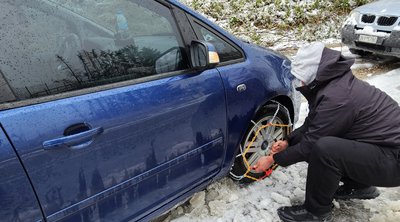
{"x":343,"y":106}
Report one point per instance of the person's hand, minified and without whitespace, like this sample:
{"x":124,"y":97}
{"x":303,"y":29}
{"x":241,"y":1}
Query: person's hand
{"x":279,"y":146}
{"x":263,"y":164}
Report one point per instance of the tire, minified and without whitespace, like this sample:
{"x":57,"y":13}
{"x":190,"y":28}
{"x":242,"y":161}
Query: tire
{"x":261,"y":145}
{"x":359,"y":52}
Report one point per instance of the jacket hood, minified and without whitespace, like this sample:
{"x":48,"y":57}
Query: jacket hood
{"x":306,"y":62}
{"x":332,"y":65}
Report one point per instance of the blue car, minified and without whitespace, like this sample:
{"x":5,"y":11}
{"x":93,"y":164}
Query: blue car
{"x":119,"y":110}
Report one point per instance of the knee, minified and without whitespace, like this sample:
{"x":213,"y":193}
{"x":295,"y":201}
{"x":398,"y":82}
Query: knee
{"x":325,"y":146}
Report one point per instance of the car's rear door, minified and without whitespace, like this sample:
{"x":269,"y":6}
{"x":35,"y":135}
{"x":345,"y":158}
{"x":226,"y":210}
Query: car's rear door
{"x":107,"y":127}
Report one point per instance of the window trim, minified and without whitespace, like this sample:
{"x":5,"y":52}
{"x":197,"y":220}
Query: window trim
{"x":195,"y":21}
{"x":95,"y":89}
{"x":185,"y":28}
{"x":6,"y":90}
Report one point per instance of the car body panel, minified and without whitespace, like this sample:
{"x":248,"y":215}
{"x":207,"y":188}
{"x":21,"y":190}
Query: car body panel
{"x":176,"y":134}
{"x":145,"y":145}
{"x":243,"y":105}
{"x":382,"y":7}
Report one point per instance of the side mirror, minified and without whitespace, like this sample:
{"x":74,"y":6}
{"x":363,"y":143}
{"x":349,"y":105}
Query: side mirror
{"x":203,"y":55}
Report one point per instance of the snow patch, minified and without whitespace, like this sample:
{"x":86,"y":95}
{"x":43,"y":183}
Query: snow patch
{"x":367,"y":65}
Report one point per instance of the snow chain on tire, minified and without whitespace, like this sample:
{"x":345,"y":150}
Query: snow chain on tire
{"x":269,"y":171}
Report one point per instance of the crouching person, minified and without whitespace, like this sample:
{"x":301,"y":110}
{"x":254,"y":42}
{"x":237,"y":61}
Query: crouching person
{"x":351,"y":134}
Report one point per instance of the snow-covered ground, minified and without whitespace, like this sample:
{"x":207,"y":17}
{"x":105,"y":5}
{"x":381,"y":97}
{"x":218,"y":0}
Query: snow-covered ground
{"x":226,"y":200}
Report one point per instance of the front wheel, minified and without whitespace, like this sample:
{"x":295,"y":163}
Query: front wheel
{"x":272,"y":124}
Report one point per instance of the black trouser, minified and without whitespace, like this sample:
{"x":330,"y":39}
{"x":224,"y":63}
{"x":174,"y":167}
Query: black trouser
{"x":333,"y":159}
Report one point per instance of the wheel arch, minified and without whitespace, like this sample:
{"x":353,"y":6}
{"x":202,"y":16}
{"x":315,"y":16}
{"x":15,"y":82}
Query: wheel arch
{"x":283,"y":100}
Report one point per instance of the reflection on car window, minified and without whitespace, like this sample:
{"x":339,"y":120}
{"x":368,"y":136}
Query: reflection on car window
{"x":225,"y":50}
{"x":51,"y":47}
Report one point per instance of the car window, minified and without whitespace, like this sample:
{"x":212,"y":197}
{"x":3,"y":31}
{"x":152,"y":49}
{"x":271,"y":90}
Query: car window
{"x":50,"y":47}
{"x":225,"y":50}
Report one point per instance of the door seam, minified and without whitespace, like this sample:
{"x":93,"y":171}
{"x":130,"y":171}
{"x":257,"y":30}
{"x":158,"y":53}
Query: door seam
{"x":25,"y":171}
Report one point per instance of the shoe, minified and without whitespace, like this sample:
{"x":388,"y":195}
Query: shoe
{"x":299,"y":213}
{"x":346,"y":193}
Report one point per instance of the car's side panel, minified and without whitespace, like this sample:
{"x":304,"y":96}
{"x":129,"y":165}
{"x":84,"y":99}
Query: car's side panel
{"x":157,"y":139}
{"x":250,"y":82}
{"x":17,"y":199}
{"x":260,"y":81}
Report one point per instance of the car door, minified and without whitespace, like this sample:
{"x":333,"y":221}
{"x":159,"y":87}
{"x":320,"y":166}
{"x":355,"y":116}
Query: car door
{"x":108,"y":119}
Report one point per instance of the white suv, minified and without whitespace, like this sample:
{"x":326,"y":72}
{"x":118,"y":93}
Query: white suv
{"x":374,"y":28}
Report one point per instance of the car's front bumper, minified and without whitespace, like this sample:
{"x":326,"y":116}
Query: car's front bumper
{"x":386,"y":43}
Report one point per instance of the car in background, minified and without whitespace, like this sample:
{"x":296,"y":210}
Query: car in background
{"x":373,"y":28}
{"x":119,"y":110}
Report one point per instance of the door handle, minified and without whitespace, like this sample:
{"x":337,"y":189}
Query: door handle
{"x":75,"y":141}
